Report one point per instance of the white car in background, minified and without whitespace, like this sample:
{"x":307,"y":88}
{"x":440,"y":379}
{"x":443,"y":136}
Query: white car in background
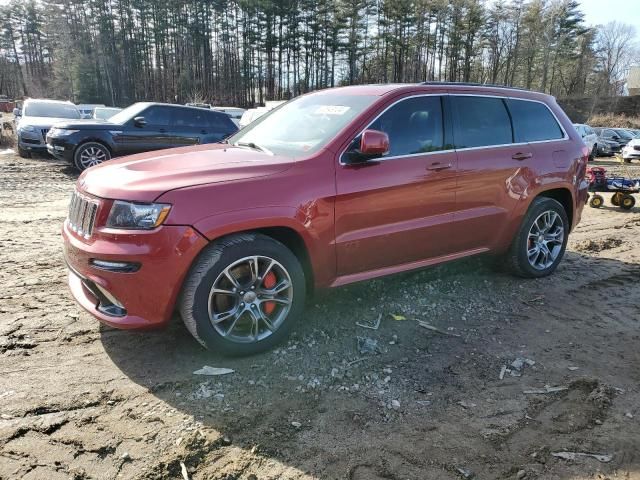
{"x":589,"y":137}
{"x":35,"y":119}
{"x":253,"y":113}
{"x":235,"y":113}
{"x":631,"y":150}
{"x":86,"y":109}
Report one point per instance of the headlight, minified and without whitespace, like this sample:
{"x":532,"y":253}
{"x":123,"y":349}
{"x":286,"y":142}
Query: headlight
{"x":61,"y":132}
{"x":27,"y":128}
{"x":141,"y":216}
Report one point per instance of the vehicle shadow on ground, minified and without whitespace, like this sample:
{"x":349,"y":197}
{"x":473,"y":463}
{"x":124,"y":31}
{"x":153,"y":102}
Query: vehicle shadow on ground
{"x":298,"y":405}
{"x":62,"y":166}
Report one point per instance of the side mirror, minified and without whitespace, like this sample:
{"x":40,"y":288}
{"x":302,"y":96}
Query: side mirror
{"x":370,"y":145}
{"x":374,"y":143}
{"x":17,"y":112}
{"x":139,"y":122}
{"x":615,"y":137}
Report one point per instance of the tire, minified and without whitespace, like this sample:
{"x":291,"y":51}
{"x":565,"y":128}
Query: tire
{"x":89,"y":154}
{"x":615,"y":199}
{"x":198,"y":303}
{"x":627,"y":202}
{"x":24,"y":153}
{"x":592,"y":155}
{"x":517,"y":258}
{"x":596,"y":201}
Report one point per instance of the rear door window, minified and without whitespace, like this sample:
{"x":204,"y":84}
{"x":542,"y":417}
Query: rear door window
{"x":533,"y":122}
{"x":480,"y":122}
{"x":188,"y":118}
{"x":414,"y":126}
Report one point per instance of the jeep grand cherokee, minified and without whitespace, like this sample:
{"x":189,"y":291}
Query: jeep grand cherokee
{"x":334,"y":187}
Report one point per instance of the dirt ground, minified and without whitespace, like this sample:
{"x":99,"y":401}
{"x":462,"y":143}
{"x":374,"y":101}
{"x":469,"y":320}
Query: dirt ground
{"x":78,"y":400}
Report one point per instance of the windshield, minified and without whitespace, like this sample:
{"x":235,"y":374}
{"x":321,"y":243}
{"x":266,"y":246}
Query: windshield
{"x":624,"y":134}
{"x":51,"y":109}
{"x":304,"y":125}
{"x":128,"y":113}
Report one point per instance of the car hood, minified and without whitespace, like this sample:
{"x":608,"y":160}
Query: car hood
{"x":88,"y":124}
{"x":634,"y":143}
{"x":146,"y":176}
{"x":41,"y":122}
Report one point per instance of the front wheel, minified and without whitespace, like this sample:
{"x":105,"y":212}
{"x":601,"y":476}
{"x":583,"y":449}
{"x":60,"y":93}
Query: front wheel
{"x":243,"y":294}
{"x":539,"y":245}
{"x":596,"y":201}
{"x":24,"y":153}
{"x":90,"y":154}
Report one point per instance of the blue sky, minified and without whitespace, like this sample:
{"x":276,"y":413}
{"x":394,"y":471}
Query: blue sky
{"x":605,"y":11}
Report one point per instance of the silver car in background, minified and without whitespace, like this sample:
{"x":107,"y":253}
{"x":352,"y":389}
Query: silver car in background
{"x":34,"y":121}
{"x":589,"y":137}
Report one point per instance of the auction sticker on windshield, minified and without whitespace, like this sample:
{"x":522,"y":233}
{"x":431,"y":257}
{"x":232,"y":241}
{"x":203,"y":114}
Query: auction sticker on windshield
{"x":332,"y":110}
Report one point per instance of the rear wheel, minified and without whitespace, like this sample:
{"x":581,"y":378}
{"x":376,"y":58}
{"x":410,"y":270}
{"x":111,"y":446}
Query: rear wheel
{"x":627,"y":202}
{"x":539,"y":245}
{"x":90,"y":154}
{"x":243,"y":294}
{"x":596,"y":201}
{"x":592,"y":155}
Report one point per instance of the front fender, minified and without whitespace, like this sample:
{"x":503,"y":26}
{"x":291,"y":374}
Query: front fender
{"x":311,"y":222}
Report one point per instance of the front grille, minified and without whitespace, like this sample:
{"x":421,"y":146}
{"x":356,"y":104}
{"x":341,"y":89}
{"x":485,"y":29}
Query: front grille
{"x":44,"y":133}
{"x":636,"y":147}
{"x":82,"y":214}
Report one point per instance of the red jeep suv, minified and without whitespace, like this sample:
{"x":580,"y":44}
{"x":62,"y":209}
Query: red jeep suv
{"x":333,"y":187}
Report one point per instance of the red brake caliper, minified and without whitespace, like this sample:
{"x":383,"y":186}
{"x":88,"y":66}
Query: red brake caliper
{"x":269,"y":282}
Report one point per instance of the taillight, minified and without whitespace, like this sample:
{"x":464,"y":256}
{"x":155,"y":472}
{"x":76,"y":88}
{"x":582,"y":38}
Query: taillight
{"x":585,"y":154}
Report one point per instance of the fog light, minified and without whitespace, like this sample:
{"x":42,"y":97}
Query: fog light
{"x":122,"y":267}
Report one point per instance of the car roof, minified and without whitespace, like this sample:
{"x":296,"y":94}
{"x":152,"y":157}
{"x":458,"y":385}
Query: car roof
{"x":176,"y":105}
{"x":46,"y":100}
{"x":452,"y":87}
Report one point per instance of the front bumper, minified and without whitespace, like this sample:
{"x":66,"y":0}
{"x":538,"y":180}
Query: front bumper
{"x":59,"y":147}
{"x":31,"y":142}
{"x":629,"y":154}
{"x":148,"y":295}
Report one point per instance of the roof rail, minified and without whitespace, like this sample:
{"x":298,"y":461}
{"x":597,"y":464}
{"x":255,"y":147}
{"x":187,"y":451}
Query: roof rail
{"x":471,"y":84}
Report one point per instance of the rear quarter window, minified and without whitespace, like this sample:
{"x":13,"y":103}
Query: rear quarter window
{"x":220,"y":122}
{"x":480,"y":122}
{"x":533,"y":122}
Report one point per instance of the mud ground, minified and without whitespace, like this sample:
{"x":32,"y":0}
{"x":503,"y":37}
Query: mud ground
{"x":78,"y":400}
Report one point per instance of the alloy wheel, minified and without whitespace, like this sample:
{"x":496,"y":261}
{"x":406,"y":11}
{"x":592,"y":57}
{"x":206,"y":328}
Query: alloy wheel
{"x":250,"y":299}
{"x":545,"y":240}
{"x":92,"y":156}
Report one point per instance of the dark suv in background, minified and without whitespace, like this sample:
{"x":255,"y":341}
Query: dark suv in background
{"x":616,"y":138}
{"x":139,"y":128}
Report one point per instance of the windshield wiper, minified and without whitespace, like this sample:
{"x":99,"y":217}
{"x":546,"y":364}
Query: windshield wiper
{"x":254,"y":146}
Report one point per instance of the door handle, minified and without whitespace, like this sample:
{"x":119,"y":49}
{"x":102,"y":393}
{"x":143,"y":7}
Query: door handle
{"x":521,"y":155}
{"x":162,"y":130}
{"x":437,"y":166}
